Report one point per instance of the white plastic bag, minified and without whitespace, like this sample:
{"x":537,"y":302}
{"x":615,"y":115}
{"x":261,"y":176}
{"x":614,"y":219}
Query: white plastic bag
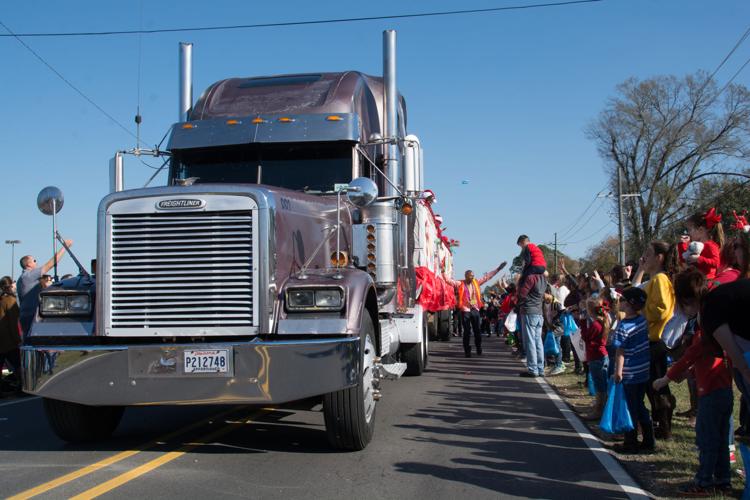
{"x":510,"y":321}
{"x":674,"y":329}
{"x":578,"y":344}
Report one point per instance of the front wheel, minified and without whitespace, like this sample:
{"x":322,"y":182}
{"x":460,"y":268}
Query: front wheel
{"x":350,"y":413}
{"x":76,"y":423}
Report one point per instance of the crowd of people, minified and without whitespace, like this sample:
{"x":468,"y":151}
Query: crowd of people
{"x":677,"y":314}
{"x":19,"y":301}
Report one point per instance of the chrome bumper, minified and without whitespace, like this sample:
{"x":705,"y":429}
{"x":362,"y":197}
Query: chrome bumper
{"x":262,"y":372}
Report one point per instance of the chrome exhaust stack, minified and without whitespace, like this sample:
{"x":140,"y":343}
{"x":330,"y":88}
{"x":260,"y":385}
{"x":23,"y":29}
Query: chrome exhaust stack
{"x":390,"y":107}
{"x":186,"y":81}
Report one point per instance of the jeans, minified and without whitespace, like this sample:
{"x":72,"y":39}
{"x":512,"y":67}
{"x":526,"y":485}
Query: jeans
{"x":634,"y":393}
{"x":712,"y":437}
{"x":471,"y":323}
{"x":599,"y":369}
{"x":531,"y":327}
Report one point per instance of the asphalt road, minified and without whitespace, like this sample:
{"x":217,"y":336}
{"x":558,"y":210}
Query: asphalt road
{"x":467,"y":428}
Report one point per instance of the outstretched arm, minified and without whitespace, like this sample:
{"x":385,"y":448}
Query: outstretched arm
{"x":50,"y":263}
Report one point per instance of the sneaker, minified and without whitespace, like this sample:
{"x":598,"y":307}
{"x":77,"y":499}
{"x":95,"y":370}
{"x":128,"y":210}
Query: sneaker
{"x":479,"y":352}
{"x":528,"y":375}
{"x":694,"y":491}
{"x":557,"y":371}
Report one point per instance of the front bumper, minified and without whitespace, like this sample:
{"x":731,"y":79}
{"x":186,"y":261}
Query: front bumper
{"x":261,"y":372}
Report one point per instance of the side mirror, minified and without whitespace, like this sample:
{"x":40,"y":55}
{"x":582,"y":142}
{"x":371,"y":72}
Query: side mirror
{"x":362,"y":191}
{"x":50,"y":200}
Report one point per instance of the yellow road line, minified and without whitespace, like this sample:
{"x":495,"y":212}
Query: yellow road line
{"x":72,"y":476}
{"x":126,"y":477}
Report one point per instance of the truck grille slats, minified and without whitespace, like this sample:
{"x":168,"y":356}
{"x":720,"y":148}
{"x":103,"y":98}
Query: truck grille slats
{"x":174,"y":270}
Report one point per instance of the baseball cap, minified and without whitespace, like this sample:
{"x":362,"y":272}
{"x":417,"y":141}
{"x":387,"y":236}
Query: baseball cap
{"x":634,"y":296}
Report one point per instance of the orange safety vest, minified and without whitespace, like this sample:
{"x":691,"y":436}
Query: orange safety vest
{"x":462,"y":294}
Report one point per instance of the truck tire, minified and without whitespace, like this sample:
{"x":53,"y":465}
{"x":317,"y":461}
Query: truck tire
{"x":444,"y":325}
{"x":431,"y":320}
{"x":350,"y":413}
{"x":76,"y":423}
{"x":416,"y":356}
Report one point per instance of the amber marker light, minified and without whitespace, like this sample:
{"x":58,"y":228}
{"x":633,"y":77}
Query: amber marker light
{"x":406,"y":209}
{"x":233,"y":122}
{"x":188,"y":125}
{"x":258,"y":121}
{"x":286,"y":119}
{"x":340,"y":260}
{"x":334,"y":118}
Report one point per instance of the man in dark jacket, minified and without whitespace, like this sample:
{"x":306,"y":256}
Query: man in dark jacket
{"x":530,"y":299}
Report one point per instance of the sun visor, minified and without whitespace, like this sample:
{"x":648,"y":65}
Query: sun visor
{"x":318,"y":127}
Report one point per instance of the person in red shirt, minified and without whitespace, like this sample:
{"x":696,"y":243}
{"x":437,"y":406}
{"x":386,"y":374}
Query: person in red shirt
{"x":533,"y":258}
{"x":594,"y":333}
{"x":707,"y":229}
{"x":713,"y":375}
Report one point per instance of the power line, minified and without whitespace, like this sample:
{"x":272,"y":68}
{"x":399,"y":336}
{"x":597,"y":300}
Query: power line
{"x":593,"y":214}
{"x":595,"y":233}
{"x":726,"y":58}
{"x":305,"y":23}
{"x":67,"y":82}
{"x":583,"y":214}
{"x":734,"y":76}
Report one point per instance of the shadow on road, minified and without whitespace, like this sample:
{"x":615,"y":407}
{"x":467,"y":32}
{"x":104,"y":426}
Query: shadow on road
{"x":518,"y":442}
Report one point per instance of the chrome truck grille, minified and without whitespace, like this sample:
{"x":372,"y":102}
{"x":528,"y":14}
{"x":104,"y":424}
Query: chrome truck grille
{"x":182,"y":273}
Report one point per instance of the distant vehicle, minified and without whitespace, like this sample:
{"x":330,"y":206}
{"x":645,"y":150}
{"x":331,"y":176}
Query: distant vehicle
{"x":277,"y":265}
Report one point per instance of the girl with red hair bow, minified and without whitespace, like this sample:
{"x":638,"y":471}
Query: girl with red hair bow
{"x":707,"y":229}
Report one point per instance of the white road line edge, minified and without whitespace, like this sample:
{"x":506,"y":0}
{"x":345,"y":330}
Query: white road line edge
{"x":18,"y":401}
{"x":610,"y":463}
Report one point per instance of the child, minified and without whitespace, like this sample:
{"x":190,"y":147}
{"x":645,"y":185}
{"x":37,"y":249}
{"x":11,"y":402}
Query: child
{"x":707,"y":229}
{"x":713,"y":376}
{"x":632,"y":368}
{"x":594,"y":333}
{"x":533,"y":258}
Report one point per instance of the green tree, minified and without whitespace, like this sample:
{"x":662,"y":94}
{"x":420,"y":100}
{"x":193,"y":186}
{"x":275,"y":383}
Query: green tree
{"x":601,"y":257}
{"x":665,"y":134}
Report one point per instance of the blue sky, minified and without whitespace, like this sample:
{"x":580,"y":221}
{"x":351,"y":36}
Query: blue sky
{"x":500,"y":100}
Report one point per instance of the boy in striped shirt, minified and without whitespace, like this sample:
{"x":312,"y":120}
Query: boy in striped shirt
{"x":632,"y":369}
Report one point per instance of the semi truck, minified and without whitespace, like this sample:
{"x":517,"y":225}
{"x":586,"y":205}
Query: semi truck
{"x":277,"y":264}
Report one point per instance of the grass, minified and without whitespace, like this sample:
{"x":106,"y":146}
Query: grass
{"x":675,"y":460}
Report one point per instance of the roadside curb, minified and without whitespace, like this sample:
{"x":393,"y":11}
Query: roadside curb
{"x":605,"y":456}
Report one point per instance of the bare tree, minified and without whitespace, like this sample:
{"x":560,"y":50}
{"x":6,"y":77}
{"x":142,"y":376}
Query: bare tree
{"x":665,"y":134}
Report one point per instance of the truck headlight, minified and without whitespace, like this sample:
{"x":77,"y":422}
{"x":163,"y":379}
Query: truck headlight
{"x":311,"y":299}
{"x":65,"y":305}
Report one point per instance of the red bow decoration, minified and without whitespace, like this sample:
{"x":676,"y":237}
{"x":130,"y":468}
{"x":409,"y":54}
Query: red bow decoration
{"x":740,"y":221}
{"x":712,"y":218}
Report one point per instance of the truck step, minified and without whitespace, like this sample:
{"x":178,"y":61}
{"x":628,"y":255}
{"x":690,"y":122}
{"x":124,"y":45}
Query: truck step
{"x":393,"y":370}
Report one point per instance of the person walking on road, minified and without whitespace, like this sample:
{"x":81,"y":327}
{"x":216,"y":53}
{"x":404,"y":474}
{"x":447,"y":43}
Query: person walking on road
{"x":530,"y":299}
{"x":469,"y":303}
{"x":28,"y":285}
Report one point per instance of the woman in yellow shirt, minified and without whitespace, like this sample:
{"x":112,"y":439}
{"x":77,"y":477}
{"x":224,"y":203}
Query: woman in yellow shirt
{"x":660,"y":262}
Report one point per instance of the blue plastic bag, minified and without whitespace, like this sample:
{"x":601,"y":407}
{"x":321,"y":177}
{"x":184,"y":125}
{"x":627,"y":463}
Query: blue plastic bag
{"x":550,"y":346}
{"x":590,"y":384}
{"x":569,"y":324}
{"x":616,"y":417}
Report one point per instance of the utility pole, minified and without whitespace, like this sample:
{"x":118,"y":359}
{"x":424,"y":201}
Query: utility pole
{"x":12,"y":244}
{"x":555,"y":264}
{"x":619,"y":216}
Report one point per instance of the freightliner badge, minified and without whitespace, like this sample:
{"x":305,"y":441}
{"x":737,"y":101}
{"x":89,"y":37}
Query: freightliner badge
{"x":180,"y":204}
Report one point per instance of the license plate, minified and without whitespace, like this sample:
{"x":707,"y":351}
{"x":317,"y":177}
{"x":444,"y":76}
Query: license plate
{"x":208,"y":361}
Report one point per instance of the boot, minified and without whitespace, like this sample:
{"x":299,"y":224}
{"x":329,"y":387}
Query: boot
{"x":666,"y":404}
{"x":648,"y":445}
{"x":630,"y":446}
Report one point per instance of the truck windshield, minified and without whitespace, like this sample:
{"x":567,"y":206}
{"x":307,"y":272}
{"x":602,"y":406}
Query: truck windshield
{"x":309,"y":167}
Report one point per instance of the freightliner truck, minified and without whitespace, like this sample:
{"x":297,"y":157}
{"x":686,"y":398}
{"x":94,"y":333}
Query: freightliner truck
{"x":277,"y":264}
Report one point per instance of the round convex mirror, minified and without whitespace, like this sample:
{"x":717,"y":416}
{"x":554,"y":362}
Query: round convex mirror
{"x":50,"y":200}
{"x":362,"y":191}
